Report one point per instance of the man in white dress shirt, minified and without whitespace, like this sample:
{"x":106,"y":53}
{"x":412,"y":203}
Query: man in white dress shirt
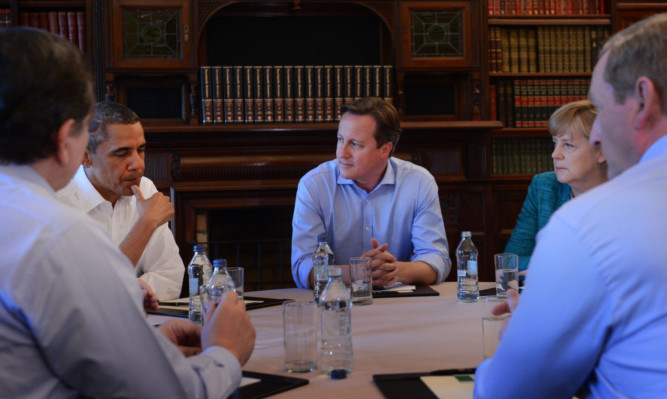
{"x":111,"y":188}
{"x":71,"y":319}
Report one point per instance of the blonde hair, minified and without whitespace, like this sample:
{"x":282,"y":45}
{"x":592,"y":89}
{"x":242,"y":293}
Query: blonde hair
{"x":575,"y":116}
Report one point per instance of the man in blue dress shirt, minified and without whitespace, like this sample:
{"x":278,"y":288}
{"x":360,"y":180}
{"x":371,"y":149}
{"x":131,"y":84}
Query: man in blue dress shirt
{"x":369,"y":203}
{"x":593,"y":314}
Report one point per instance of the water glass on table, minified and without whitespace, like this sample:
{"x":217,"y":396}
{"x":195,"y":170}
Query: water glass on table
{"x":236,"y":273}
{"x":507,"y":273}
{"x":361,"y":283}
{"x":300,"y":335}
{"x":491,"y":324}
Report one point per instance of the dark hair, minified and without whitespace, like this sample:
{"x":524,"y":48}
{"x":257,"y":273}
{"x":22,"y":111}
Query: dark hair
{"x":109,"y":113}
{"x":44,"y":81}
{"x":388,"y":125}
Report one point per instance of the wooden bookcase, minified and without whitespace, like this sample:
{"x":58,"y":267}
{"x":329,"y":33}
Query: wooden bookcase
{"x":148,"y":54}
{"x":69,"y":19}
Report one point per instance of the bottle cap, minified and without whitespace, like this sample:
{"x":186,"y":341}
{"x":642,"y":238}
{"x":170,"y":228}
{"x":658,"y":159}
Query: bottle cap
{"x":465,"y":234}
{"x":338,"y":374}
{"x":220,"y":263}
{"x":200,"y":248}
{"x":322,"y":237}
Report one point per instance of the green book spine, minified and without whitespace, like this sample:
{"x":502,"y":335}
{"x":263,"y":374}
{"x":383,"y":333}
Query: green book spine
{"x":248,"y":94}
{"x":269,"y":96}
{"x":329,"y":103}
{"x":278,"y":94}
{"x":228,"y":89}
{"x":319,"y":93}
{"x":290,"y":88}
{"x":299,"y":94}
{"x":258,"y":93}
{"x":218,"y":108}
{"x":339,"y":90}
{"x":206,"y":97}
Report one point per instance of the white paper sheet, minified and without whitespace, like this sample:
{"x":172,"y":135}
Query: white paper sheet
{"x":450,"y":387}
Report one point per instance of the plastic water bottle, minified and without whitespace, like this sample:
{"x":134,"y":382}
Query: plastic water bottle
{"x":336,"y":358}
{"x":323,"y":260}
{"x":199,"y":272}
{"x":466,"y":260}
{"x":220,"y":281}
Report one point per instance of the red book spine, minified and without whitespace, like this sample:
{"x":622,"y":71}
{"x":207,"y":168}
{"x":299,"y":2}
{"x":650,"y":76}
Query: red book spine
{"x":81,"y":27}
{"x":72,"y":29}
{"x":62,"y":24}
{"x":24,"y":19}
{"x":33,"y":19}
{"x":53,"y":22}
{"x":43,"y":20}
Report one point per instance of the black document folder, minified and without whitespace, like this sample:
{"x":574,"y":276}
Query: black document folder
{"x":181,"y":310}
{"x":268,"y":385}
{"x":410,"y":385}
{"x":420,"y":290}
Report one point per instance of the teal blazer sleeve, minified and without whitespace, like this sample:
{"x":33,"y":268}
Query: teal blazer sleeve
{"x":545,"y":196}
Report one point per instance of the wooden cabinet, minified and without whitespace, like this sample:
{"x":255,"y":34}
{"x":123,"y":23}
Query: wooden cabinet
{"x":238,"y":180}
{"x":150,"y":35}
{"x":69,"y":19}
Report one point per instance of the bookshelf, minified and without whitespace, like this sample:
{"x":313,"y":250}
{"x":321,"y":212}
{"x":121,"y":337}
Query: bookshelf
{"x":65,"y":18}
{"x":72,"y":19}
{"x":447,"y":73}
{"x":540,"y":56}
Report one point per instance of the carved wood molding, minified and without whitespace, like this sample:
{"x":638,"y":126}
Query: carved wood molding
{"x":383,"y":8}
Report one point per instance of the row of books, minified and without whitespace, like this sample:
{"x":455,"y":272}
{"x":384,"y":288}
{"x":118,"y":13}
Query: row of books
{"x":530,"y":102}
{"x":546,"y":7}
{"x":546,"y":48}
{"x":288,"y":93}
{"x":5,"y":18}
{"x":521,"y":156}
{"x":69,"y":24}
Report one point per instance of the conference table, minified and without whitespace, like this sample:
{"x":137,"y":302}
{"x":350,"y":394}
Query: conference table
{"x":393,"y":335}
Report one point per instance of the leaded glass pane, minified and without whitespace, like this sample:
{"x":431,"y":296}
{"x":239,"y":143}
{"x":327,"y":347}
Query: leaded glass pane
{"x":437,"y":33}
{"x":151,"y":34}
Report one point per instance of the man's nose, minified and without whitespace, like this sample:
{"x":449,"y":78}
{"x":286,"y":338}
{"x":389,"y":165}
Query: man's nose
{"x":136,"y":162}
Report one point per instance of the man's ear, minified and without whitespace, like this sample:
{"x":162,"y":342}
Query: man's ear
{"x":386,"y":148}
{"x":64,"y":150}
{"x":648,"y":103}
{"x":87,"y":161}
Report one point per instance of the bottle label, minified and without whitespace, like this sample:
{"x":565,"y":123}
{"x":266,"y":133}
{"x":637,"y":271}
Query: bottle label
{"x":461,"y":273}
{"x":194,"y":286}
{"x":472,"y":267}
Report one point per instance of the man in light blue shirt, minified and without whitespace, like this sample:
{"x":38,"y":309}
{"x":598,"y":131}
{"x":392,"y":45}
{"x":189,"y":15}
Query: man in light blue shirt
{"x":593,"y":314}
{"x":371,"y":204}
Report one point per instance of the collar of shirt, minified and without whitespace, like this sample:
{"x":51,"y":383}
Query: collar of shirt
{"x":656,"y":149}
{"x":388,"y":178}
{"x":87,"y":194}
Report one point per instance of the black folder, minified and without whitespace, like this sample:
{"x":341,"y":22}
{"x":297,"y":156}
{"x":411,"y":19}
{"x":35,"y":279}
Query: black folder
{"x":269,"y":384}
{"x":420,"y":290}
{"x":170,"y":309}
{"x":410,"y":385}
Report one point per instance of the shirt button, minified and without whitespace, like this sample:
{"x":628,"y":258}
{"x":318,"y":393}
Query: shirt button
{"x":367,"y":228}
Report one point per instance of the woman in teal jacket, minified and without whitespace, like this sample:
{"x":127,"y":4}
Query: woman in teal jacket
{"x":578,"y":167}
